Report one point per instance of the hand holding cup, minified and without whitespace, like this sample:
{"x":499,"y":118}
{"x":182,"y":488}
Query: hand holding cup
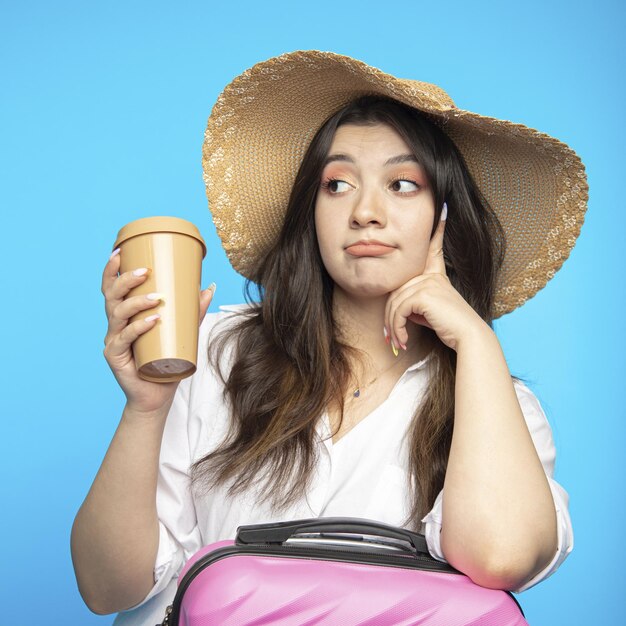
{"x":154,"y":307}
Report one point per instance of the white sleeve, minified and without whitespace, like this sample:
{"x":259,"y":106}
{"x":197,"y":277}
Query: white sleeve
{"x":542,"y":438}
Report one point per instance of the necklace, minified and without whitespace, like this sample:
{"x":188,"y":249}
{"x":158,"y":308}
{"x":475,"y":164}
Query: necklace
{"x":357,"y":392}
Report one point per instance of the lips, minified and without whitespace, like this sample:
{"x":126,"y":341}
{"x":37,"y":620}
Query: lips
{"x":369,"y":248}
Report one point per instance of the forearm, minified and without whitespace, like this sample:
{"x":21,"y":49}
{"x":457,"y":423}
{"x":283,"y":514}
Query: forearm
{"x":115,"y":534}
{"x":499,"y":522}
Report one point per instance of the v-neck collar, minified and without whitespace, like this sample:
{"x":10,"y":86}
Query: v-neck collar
{"x":323,"y":425}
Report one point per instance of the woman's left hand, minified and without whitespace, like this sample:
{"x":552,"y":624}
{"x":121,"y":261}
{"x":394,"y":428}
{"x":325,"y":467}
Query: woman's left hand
{"x":430,"y":300}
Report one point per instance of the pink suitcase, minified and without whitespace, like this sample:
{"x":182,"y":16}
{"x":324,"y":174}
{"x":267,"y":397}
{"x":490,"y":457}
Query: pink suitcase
{"x":331,"y":571}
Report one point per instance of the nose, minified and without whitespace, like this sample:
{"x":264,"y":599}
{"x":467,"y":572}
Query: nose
{"x":368,"y":210}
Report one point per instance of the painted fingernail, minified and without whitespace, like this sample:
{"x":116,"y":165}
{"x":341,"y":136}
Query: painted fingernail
{"x":394,"y":349}
{"x":151,"y":318}
{"x":140,"y":272}
{"x":386,"y":335}
{"x":155,"y":296}
{"x":114,"y":253}
{"x":444,"y":212}
{"x":212,"y":287}
{"x":403,"y":346}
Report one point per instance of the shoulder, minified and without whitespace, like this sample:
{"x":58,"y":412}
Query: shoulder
{"x":227,"y":317}
{"x":217,"y":331}
{"x":200,"y":408}
{"x":226,"y":312}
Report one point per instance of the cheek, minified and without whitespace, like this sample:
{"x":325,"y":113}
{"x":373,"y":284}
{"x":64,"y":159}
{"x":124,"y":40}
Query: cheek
{"x":323,"y":243}
{"x":326,"y":234}
{"x":419,"y":244}
{"x":327,"y":251}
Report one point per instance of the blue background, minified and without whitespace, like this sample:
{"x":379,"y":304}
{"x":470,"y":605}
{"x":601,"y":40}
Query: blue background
{"x":102,"y":112}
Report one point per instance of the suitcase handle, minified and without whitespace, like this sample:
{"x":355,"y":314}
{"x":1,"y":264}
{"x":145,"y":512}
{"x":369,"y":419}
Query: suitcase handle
{"x":279,"y":532}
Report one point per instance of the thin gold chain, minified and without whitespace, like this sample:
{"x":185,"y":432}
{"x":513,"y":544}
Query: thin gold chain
{"x":357,"y":391}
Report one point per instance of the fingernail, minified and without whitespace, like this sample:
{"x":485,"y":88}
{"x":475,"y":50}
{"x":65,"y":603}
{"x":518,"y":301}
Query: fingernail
{"x":444,"y":212}
{"x":394,"y":349}
{"x":151,"y":318}
{"x":403,"y":346}
{"x":155,"y":296}
{"x":386,"y":335}
{"x":140,"y":272}
{"x":114,"y":253}
{"x":212,"y":287}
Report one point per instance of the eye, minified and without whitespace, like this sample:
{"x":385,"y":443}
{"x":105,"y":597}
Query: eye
{"x":335,"y":186}
{"x":404,"y":186}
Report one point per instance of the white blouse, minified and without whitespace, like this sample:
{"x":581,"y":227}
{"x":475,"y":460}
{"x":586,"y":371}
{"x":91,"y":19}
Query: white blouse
{"x":363,"y":475}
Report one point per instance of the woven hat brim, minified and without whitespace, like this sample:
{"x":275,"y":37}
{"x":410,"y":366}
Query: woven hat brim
{"x":264,"y":121}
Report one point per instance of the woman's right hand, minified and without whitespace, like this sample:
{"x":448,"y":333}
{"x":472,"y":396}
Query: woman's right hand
{"x":142,"y":396}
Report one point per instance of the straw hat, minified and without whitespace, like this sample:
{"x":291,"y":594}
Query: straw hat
{"x":263,"y":122}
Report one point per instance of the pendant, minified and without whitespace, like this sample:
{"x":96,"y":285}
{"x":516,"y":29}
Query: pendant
{"x":357,"y":392}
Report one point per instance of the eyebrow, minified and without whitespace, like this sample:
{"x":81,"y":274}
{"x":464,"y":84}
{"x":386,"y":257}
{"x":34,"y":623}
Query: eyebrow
{"x":400,"y":158}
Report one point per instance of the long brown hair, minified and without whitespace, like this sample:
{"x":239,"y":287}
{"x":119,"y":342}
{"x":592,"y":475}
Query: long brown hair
{"x":289,"y":364}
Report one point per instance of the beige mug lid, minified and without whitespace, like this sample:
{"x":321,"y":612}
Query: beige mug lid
{"x":159,"y":224}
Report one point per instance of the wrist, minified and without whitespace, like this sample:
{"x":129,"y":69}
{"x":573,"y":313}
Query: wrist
{"x":133,"y":413}
{"x":476,"y":336}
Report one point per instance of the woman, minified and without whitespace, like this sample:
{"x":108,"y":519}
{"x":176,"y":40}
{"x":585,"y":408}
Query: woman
{"x":367,"y":381}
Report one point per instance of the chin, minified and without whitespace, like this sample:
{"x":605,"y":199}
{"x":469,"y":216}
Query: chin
{"x":370,"y":282}
{"x":368,"y":289}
